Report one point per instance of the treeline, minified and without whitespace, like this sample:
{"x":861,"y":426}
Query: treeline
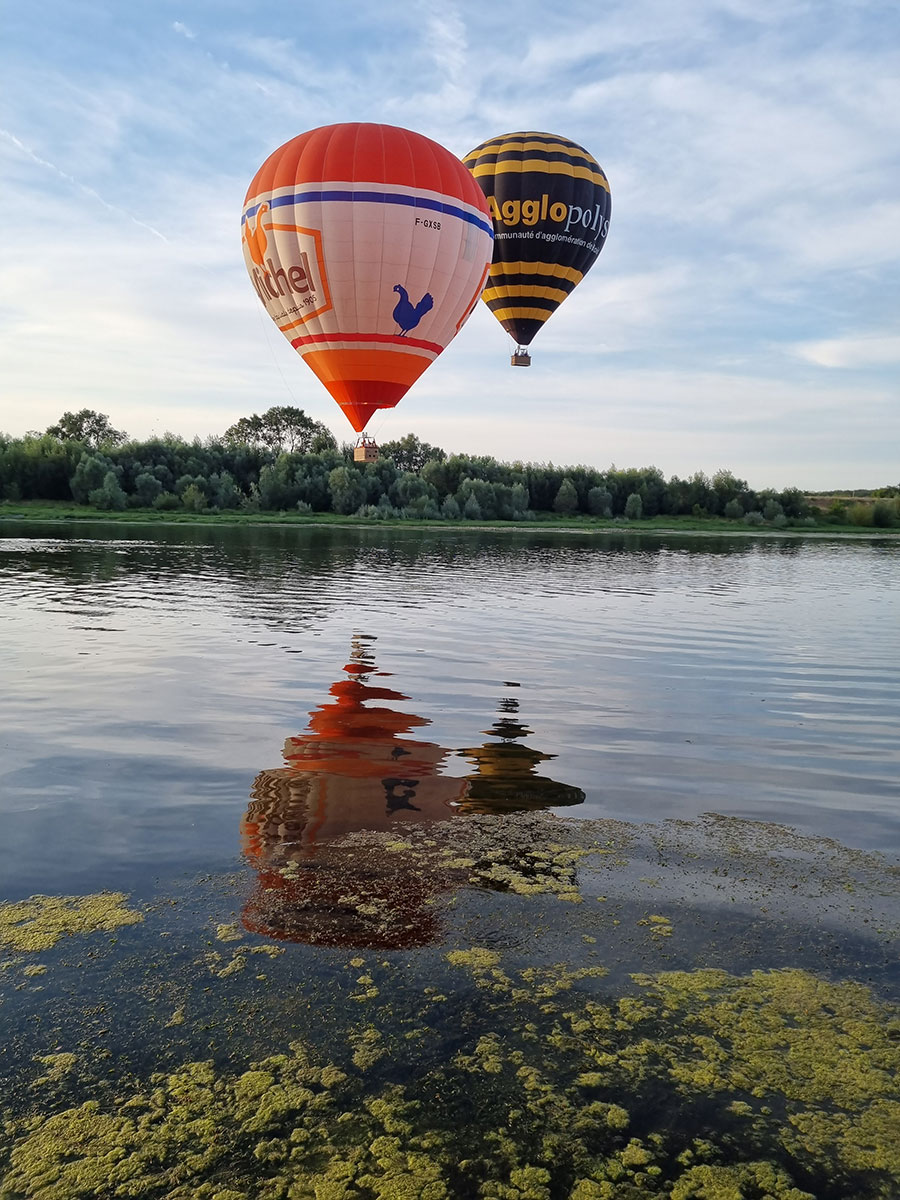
{"x":248,"y":469}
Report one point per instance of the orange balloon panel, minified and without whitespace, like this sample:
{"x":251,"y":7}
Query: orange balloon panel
{"x":369,"y":247}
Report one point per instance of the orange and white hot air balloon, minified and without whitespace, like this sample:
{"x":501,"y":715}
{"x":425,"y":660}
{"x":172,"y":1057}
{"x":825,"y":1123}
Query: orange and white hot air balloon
{"x":369,"y":247}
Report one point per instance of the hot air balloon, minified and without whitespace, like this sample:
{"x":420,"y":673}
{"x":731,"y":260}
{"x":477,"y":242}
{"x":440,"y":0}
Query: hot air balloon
{"x":550,"y":204}
{"x":368,"y":246}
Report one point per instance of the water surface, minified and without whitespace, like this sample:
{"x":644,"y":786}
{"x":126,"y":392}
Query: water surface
{"x":320,"y":763}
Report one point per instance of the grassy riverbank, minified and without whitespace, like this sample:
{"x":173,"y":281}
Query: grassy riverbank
{"x":45,"y":510}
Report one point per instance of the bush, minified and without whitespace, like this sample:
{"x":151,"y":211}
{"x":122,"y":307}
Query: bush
{"x":884,"y":514}
{"x":754,"y":517}
{"x":634,"y":507}
{"x":859,"y":514}
{"x":734,"y":510}
{"x":772,"y":509}
{"x":303,"y":508}
{"x":166,"y":502}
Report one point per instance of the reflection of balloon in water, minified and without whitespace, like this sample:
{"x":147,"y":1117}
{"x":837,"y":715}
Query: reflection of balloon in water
{"x":368,"y":246}
{"x":550,"y":203}
{"x":357,"y":768}
{"x":505,"y":779}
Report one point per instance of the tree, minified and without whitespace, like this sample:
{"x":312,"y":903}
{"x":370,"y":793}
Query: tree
{"x":281,"y":428}
{"x":472,"y":509}
{"x":566,"y":501}
{"x":600,"y":502}
{"x":89,"y":476}
{"x":411,"y":454}
{"x":146,"y":488}
{"x":110,"y":496}
{"x":193,"y":498}
{"x":87,"y":426}
{"x":347,"y":490}
{"x":634,"y":507}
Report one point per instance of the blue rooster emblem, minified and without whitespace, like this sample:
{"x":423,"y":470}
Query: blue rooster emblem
{"x":409,"y":315}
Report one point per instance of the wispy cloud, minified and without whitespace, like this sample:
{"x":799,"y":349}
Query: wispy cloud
{"x":861,"y":350}
{"x":90,"y":192}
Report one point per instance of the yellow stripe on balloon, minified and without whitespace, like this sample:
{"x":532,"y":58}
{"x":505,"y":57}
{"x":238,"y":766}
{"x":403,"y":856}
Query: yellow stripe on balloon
{"x":541,"y":166}
{"x":521,"y":314}
{"x":501,"y":147}
{"x":536,"y":268}
{"x":505,"y":291}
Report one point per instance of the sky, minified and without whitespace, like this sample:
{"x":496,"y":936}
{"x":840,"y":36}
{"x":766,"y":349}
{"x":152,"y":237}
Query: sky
{"x":744,"y":313}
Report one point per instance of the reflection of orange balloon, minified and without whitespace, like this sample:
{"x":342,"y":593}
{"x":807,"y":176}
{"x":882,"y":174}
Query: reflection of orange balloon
{"x":368,"y":246}
{"x":352,"y":770}
{"x":356,"y":768}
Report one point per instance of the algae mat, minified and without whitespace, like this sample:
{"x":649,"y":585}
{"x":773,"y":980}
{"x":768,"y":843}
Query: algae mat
{"x":504,"y":1008}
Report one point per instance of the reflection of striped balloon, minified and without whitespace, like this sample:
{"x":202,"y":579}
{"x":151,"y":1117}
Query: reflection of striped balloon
{"x":550,"y":203}
{"x":357,"y":216}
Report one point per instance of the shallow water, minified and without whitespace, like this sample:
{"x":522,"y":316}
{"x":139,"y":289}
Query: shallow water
{"x":198,"y":716}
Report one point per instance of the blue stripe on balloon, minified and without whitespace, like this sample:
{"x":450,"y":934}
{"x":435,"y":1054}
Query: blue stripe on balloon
{"x":377,"y":198}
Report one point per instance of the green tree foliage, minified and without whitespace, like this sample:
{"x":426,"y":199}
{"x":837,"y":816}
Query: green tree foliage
{"x":600,"y":502}
{"x":89,"y":476}
{"x":281,"y":428}
{"x":411,"y":454}
{"x":634,"y":507}
{"x":146,"y":489}
{"x":347,"y":490}
{"x":109,"y":495}
{"x":89,"y":427}
{"x":250,"y":476}
{"x":565,"y":501}
{"x":193,"y":498}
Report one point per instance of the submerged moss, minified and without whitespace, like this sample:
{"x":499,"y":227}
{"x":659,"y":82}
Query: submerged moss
{"x":39,"y":922}
{"x":776,"y":1085}
{"x":58,"y":1066}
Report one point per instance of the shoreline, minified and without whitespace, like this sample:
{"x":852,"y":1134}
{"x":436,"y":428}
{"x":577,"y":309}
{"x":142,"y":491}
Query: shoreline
{"x":713,"y":527}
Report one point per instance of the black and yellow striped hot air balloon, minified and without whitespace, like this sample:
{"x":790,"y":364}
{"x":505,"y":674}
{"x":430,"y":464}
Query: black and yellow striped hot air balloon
{"x":550,"y":204}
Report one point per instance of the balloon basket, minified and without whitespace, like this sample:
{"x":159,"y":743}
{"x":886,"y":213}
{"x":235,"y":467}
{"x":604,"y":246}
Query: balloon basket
{"x":521,"y":358}
{"x":365,"y":450}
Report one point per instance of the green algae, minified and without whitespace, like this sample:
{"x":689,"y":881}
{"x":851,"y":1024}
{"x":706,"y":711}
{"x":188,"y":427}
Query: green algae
{"x":695,"y":1085}
{"x":776,"y":1084}
{"x":659,"y":926}
{"x":39,"y":922}
{"x":229,"y":932}
{"x":58,"y":1066}
{"x":237,"y":963}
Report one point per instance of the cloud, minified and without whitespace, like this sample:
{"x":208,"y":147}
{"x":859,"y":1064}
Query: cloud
{"x":183,"y":30}
{"x":861,"y":350}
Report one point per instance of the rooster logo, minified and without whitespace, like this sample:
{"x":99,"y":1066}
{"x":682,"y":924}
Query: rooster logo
{"x":409,"y":315}
{"x":256,"y":239}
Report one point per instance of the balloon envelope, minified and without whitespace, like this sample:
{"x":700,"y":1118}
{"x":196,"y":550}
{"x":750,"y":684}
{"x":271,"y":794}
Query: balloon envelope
{"x":550,"y":204}
{"x":368,"y":246}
